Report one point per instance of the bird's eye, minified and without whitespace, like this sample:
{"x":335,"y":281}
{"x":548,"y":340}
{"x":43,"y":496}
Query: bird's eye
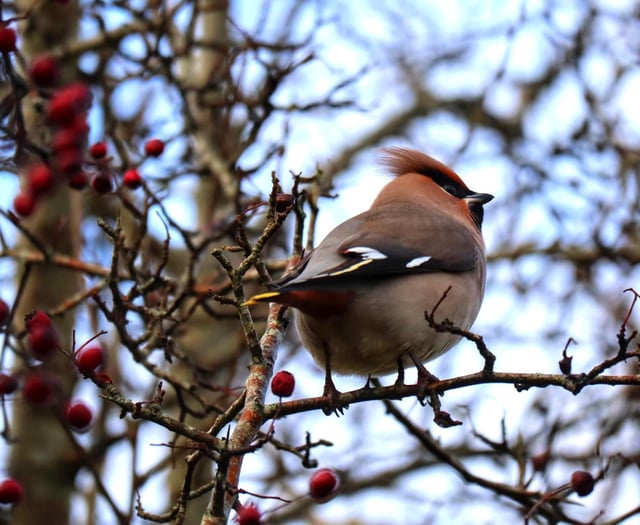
{"x":451,"y":189}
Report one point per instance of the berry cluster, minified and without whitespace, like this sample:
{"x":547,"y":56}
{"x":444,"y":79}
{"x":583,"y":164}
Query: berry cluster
{"x":69,"y":161}
{"x":41,"y":387}
{"x":11,"y":490}
{"x":43,"y":337}
{"x":66,"y":117}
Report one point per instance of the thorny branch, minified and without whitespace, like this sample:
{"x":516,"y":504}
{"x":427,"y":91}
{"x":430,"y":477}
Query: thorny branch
{"x":151,"y":293}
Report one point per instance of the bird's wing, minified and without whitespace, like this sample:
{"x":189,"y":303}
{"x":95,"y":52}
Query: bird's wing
{"x":348,"y":255}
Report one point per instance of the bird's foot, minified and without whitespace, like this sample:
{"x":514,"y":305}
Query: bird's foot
{"x":400,"y":379}
{"x":442,"y":418}
{"x":330,"y":393}
{"x":425,"y":379}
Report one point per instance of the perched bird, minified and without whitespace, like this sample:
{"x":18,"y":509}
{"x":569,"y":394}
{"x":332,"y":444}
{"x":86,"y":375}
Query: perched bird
{"x":361,"y":295}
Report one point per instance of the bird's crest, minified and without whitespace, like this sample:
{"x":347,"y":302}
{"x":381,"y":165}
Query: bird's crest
{"x":402,"y":160}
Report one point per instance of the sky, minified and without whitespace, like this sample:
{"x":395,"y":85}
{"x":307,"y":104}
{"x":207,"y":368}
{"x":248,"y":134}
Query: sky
{"x":356,"y":39}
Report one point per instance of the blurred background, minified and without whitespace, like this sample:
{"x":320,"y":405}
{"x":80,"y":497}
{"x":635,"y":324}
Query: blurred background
{"x":535,"y":102}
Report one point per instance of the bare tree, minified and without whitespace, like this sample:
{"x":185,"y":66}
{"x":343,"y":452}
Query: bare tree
{"x":174,"y":157}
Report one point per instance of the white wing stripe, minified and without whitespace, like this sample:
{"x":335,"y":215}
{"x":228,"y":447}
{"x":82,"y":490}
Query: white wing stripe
{"x":418,"y":261}
{"x":366,"y":253}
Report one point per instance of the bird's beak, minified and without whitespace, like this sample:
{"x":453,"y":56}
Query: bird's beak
{"x":478,"y":198}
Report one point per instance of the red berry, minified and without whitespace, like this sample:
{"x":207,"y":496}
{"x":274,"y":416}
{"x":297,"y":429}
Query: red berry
{"x":40,"y":178}
{"x":283,"y":201}
{"x":154,"y":147}
{"x":582,"y":482}
{"x":7,"y":39}
{"x":43,"y":342}
{"x":68,"y":104}
{"x":11,"y":491}
{"x":60,"y":110}
{"x":24,"y":204}
{"x":102,"y":183}
{"x":39,"y":388}
{"x":78,"y":181}
{"x":67,"y":139}
{"x":249,"y":515}
{"x":283,"y":383}
{"x":35,"y":320}
{"x":79,"y":416}
{"x":323,"y":484}
{"x":8,"y":384}
{"x":44,"y":71}
{"x":69,"y":161}
{"x":5,"y":309}
{"x":79,"y":95}
{"x":98,"y":150}
{"x":89,"y":358}
{"x":80,"y":126}
{"x":43,"y":336}
{"x":132,"y":179}
{"x":539,"y":461}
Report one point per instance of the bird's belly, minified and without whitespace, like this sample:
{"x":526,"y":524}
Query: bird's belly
{"x":367,"y":340}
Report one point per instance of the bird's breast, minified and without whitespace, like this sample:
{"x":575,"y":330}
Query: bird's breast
{"x":384,"y":322}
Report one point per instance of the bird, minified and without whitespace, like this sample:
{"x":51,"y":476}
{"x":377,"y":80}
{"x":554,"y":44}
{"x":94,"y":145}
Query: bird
{"x":361,"y":295}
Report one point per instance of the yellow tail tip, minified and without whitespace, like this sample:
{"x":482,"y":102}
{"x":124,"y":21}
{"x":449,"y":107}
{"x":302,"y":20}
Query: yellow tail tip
{"x":260,"y":298}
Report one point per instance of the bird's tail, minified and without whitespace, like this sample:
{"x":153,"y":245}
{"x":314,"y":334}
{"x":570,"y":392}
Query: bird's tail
{"x":317,"y":303}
